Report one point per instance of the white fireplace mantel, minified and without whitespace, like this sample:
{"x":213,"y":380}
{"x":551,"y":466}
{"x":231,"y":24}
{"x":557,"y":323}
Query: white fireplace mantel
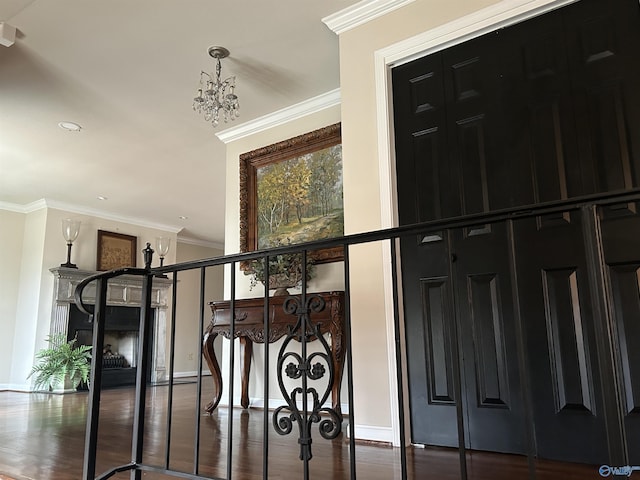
{"x":125,"y":291}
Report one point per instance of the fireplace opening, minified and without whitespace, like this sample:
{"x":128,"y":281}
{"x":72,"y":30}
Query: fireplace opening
{"x":120,"y":353}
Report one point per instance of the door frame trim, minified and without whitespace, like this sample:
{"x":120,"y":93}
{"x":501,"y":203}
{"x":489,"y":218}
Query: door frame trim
{"x":500,"y":15}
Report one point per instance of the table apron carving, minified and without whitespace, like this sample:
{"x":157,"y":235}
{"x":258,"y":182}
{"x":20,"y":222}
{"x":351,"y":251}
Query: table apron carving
{"x":249,"y":328}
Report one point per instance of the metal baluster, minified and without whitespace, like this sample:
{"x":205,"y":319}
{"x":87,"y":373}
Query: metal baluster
{"x":399,"y":350}
{"x":172,"y":353}
{"x":95,"y":380}
{"x":232,"y":334}
{"x":302,"y":368}
{"x":144,"y":344}
{"x":196,"y":455}
{"x":348,"y":359}
{"x":265,"y":429}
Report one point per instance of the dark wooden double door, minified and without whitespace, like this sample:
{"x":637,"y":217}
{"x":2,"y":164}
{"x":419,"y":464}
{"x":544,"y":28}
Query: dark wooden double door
{"x":510,"y":325}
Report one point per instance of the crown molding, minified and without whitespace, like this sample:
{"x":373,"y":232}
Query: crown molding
{"x":12,"y":207}
{"x":80,"y":210}
{"x":200,"y":243}
{"x":111,"y":216}
{"x":488,"y":19}
{"x":46,"y":203}
{"x":361,"y":13}
{"x":279,"y":117}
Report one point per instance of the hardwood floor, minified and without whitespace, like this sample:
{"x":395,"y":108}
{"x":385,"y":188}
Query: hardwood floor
{"x":42,"y":438}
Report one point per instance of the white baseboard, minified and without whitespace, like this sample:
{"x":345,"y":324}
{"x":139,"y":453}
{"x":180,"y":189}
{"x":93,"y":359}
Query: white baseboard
{"x":363,"y":432}
{"x":25,"y":387}
{"x":372,"y":433}
{"x":278,"y":402}
{"x":16,"y":387}
{"x":190,"y":374}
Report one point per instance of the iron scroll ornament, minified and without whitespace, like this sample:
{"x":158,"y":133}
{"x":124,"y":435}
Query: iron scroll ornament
{"x":302,"y":367}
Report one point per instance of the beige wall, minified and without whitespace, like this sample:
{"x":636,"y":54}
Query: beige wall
{"x":362,"y":193}
{"x":362,"y":209}
{"x":25,"y":322}
{"x":31,"y":244}
{"x":329,"y":276}
{"x":187,"y":312}
{"x":11,"y":233}
{"x":362,"y":198}
{"x":363,"y":133}
{"x":321,"y":119}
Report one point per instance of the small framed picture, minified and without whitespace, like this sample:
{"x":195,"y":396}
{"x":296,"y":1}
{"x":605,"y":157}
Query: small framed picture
{"x":116,"y":250}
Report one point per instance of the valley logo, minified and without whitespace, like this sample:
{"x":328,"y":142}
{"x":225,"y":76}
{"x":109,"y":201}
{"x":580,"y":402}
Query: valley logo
{"x":606,"y":470}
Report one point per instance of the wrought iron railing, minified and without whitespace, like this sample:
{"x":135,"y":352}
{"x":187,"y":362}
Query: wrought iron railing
{"x":304,"y":412}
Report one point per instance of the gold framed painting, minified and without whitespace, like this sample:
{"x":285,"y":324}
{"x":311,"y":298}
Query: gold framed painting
{"x":115,"y":250}
{"x":291,"y":192}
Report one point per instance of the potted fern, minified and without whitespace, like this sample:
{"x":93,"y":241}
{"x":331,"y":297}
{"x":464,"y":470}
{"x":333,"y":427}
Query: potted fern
{"x":61,"y":366}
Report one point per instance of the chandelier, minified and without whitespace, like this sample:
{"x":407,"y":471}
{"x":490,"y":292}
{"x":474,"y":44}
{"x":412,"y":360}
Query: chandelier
{"x":215,"y":98}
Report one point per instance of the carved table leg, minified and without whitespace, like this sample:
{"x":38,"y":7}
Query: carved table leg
{"x":337,"y":352}
{"x":210,"y":356}
{"x":246,"y":349}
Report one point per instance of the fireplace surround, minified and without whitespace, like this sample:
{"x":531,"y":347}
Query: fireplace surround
{"x":124,"y":295}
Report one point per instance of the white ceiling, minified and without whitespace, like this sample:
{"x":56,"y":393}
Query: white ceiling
{"x":127,"y":71}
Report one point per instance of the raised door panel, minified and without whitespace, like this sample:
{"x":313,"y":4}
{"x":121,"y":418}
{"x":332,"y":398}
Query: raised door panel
{"x":622,"y":257}
{"x":625,"y":283}
{"x":472,"y":170}
{"x":569,"y":349}
{"x":476,"y":125}
{"x":488,"y":340}
{"x":485,"y":307}
{"x":430,"y":327}
{"x":430,"y":188}
{"x":542,"y":141}
{"x":605,"y":72}
{"x":437,"y":320}
{"x":421,"y":142}
{"x":557,"y":316}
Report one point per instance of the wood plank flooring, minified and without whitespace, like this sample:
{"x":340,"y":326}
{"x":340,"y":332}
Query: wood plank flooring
{"x":42,"y":438}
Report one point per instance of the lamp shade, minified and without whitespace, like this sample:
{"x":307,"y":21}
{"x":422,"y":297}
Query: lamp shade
{"x":162,"y":245}
{"x":70,"y":229}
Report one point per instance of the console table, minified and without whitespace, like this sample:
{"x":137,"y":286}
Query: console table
{"x":249,"y":327}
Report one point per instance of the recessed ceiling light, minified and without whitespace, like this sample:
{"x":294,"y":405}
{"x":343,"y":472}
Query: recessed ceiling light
{"x":102,"y":197}
{"x":183,"y":217}
{"x":70,"y":126}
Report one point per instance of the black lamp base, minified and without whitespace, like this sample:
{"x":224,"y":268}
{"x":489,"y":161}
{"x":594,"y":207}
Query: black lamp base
{"x":68,"y":264}
{"x":161,"y":275}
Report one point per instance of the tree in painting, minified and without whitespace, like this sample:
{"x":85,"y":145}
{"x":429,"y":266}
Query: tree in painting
{"x":300,"y":199}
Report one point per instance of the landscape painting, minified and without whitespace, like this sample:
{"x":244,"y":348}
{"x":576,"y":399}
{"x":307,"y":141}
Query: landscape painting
{"x":291,"y":192}
{"x":300,"y":199}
